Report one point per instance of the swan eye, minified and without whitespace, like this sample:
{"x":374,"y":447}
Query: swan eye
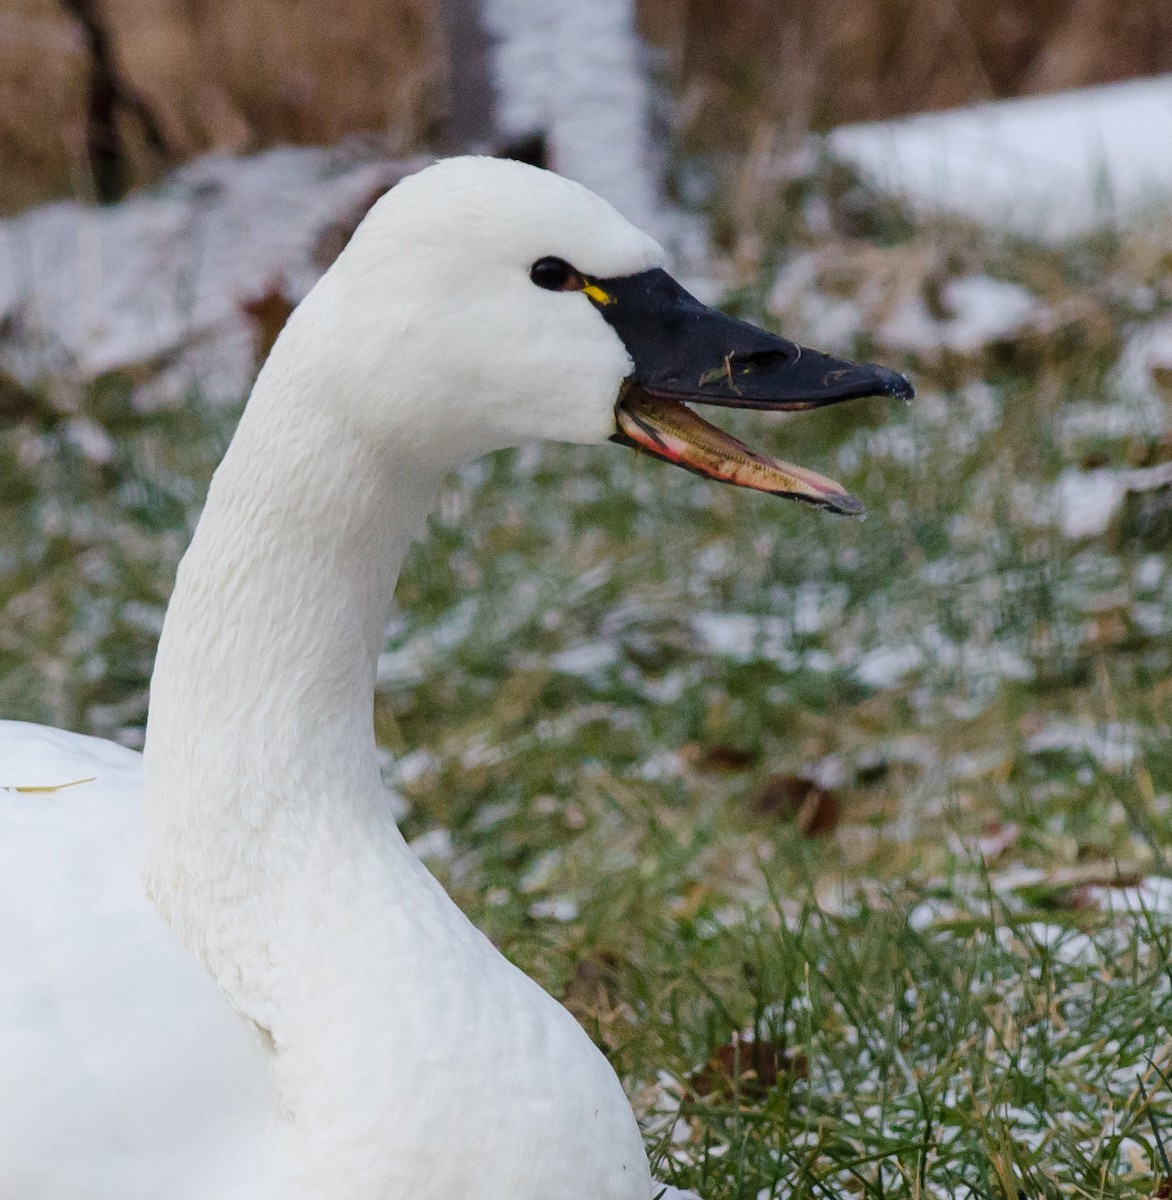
{"x":556,"y":275}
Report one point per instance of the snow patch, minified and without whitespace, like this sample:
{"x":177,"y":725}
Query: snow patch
{"x":885,"y":666}
{"x":745,"y":637}
{"x":558,"y":909}
{"x":1111,"y":746}
{"x":1043,"y":165}
{"x":586,"y":658}
{"x":1153,"y":895}
{"x":1145,"y":366}
{"x":1087,"y":501}
{"x":156,"y":285}
{"x":982,"y":310}
{"x":434,"y":846}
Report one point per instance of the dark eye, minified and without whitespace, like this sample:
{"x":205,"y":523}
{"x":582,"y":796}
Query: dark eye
{"x":556,"y":275}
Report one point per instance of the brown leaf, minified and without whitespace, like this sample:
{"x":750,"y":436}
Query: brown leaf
{"x":748,"y":1068}
{"x":589,"y":994}
{"x":268,"y":313}
{"x":18,"y":404}
{"x":719,"y":758}
{"x":814,"y":809}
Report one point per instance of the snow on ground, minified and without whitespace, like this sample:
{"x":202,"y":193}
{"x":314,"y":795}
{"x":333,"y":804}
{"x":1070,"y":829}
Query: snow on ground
{"x":156,"y":285}
{"x":1088,"y":501}
{"x":1146,"y":363}
{"x":1151,"y":895}
{"x":1044,"y":165}
{"x":980,"y":309}
{"x":1112,"y":745}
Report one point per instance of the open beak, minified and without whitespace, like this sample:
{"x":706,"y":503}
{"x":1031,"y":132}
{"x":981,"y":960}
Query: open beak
{"x":685,"y":353}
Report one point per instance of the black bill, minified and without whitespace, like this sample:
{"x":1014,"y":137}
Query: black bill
{"x":686,"y":353}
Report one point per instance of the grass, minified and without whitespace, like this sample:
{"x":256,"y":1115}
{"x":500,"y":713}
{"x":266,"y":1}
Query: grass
{"x":960,"y":986}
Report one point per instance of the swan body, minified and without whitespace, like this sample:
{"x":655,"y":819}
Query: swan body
{"x":405,"y":1056}
{"x":121,"y":1063}
{"x":223,"y":973}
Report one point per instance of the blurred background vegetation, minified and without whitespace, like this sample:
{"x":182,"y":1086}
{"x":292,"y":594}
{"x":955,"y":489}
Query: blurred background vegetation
{"x":155,"y":82}
{"x":847,"y":841}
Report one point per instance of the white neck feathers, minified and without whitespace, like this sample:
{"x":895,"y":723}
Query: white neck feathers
{"x":270,"y":847}
{"x":261,"y":778}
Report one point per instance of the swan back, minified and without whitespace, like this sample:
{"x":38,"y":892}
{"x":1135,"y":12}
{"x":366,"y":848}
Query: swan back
{"x":105,"y":1019}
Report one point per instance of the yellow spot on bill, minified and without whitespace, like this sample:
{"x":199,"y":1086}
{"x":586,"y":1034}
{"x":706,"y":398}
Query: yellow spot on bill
{"x":597,"y":294}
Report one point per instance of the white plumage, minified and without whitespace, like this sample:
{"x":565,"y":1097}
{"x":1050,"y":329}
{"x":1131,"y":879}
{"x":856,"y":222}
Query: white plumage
{"x":311,"y":1016}
{"x":121,"y":1063}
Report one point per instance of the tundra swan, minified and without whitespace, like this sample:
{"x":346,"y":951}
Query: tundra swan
{"x":223,"y":973}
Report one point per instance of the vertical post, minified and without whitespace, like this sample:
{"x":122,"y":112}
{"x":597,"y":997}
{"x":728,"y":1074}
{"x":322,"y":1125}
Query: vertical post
{"x":573,"y":73}
{"x":470,"y":121}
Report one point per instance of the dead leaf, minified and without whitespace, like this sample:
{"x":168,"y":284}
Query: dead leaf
{"x":748,"y":1068}
{"x":814,"y":809}
{"x":268,"y":313}
{"x":718,"y":759}
{"x":589,"y":994}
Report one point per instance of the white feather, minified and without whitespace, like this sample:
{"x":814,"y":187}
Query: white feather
{"x":311,"y":1016}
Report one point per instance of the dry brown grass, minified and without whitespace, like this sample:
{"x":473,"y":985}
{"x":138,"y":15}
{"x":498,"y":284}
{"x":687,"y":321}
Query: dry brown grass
{"x":219,"y":74}
{"x":242,"y":74}
{"x":808,"y":64}
{"x":42,"y":101}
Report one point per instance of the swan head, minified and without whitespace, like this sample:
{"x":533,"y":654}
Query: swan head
{"x":484,"y":303}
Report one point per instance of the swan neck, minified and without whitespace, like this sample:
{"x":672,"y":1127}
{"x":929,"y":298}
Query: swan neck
{"x":260,"y":748}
